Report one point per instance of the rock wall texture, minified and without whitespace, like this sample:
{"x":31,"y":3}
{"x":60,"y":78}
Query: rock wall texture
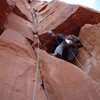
{"x":65,"y":81}
{"x":57,"y":79}
{"x":90,"y":54}
{"x":4,"y":11}
{"x":66,"y":18}
{"x":17,"y":68}
{"x":20,"y":25}
{"x":18,"y":61}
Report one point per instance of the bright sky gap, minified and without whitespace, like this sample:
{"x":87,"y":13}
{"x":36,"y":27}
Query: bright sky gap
{"x":95,"y":4}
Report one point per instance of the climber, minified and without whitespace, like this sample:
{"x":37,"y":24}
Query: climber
{"x":61,"y":41}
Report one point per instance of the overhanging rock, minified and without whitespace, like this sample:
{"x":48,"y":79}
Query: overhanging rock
{"x":65,"y":18}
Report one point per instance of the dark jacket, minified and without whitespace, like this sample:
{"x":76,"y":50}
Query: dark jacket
{"x":56,"y":41}
{"x":67,"y":54}
{"x":60,"y":38}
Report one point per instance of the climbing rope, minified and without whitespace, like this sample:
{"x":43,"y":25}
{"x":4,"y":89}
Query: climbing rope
{"x":77,"y":60}
{"x":35,"y":22}
{"x":71,"y":51}
{"x":36,"y":72}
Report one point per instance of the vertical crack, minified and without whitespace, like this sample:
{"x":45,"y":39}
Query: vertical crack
{"x":43,"y":87}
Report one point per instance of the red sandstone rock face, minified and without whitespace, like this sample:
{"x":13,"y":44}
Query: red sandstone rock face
{"x":21,"y":8}
{"x":66,"y":81}
{"x":89,"y":56}
{"x":65,"y":18}
{"x":17,"y":68}
{"x":20,"y":25}
{"x":4,"y":11}
{"x":40,"y":6}
{"x":62,"y":80}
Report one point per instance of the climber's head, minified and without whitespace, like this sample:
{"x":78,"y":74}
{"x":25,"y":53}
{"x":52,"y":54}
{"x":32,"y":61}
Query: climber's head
{"x":51,"y":34}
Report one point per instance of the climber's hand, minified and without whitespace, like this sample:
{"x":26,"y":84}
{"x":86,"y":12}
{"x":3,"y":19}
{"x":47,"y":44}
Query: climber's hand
{"x":68,"y":41}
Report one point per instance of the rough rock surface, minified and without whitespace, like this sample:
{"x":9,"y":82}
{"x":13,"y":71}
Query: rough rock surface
{"x":21,"y":8}
{"x":57,"y":79}
{"x":20,"y":25}
{"x":17,"y":68}
{"x":65,"y":81}
{"x":65,"y":18}
{"x":89,"y":56}
{"x":40,"y":6}
{"x":4,"y":11}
